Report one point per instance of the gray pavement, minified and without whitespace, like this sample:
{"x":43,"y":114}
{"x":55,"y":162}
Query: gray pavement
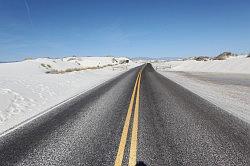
{"x":176,"y":127}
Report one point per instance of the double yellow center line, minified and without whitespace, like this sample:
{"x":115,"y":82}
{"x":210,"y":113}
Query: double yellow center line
{"x":133,"y":145}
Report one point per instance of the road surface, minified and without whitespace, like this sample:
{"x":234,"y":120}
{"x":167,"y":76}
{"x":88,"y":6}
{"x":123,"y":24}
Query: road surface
{"x":138,"y":117}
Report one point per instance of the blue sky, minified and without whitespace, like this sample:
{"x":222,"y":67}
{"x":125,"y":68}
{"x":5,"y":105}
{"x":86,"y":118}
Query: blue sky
{"x":133,"y":28}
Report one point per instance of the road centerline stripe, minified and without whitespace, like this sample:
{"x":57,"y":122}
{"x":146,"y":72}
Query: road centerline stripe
{"x":133,"y":146}
{"x":121,"y":149}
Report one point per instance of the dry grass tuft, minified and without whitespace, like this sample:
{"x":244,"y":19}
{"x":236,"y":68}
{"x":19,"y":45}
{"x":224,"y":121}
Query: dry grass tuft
{"x":202,"y":58}
{"x":43,"y":65}
{"x":54,"y":71}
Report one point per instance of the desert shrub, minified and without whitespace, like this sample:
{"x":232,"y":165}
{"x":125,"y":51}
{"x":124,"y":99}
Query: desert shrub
{"x":77,"y":63}
{"x":94,"y":67}
{"x":69,"y":70}
{"x":224,"y":56}
{"x":53,"y":71}
{"x":202,"y":58}
{"x":123,"y":61}
{"x":80,"y":69}
{"x":77,"y":69}
{"x":43,"y":65}
{"x":248,"y":56}
{"x":114,"y":60}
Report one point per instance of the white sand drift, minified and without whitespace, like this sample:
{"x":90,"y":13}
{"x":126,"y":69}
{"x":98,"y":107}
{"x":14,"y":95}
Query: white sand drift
{"x":232,"y":98}
{"x":26,"y":89}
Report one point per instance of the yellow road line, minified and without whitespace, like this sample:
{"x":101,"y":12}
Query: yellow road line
{"x":120,"y":153}
{"x":133,"y":146}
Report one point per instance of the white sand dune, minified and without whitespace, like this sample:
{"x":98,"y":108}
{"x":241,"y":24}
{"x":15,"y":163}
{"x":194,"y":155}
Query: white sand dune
{"x":239,"y":64}
{"x":233,"y":98}
{"x":26,"y":89}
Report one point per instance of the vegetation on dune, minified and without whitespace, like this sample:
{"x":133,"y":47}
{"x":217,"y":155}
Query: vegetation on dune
{"x":202,"y":58}
{"x":45,"y":65}
{"x":224,"y":56}
{"x":54,"y":71}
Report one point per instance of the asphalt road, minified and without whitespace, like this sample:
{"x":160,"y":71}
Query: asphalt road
{"x":163,"y":124}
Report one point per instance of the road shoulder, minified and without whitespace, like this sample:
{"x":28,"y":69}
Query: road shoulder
{"x":230,"y":97}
